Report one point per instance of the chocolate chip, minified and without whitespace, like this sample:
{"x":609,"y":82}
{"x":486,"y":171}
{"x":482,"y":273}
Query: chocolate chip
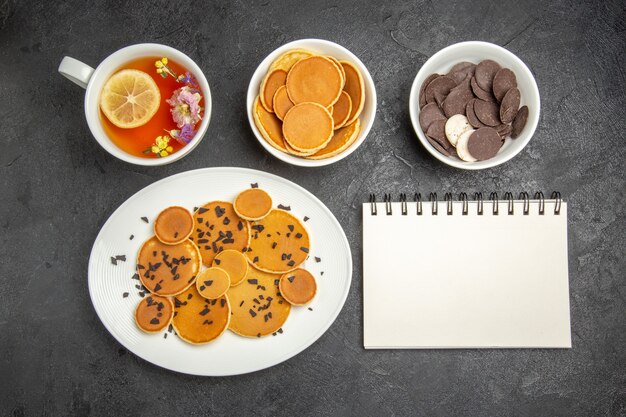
{"x":255,"y":185}
{"x":519,"y":122}
{"x":131,"y":237}
{"x":202,"y":210}
{"x":318,"y":259}
{"x":113,"y":260}
{"x":252,"y":312}
{"x":125,"y":295}
{"x":510,"y":105}
{"x":253,"y":281}
{"x":291,"y":278}
{"x":145,"y":219}
{"x":484,"y":143}
{"x":503,"y":81}
{"x":287,"y":208}
{"x":303,"y":249}
{"x":306,"y":218}
{"x":208,"y":283}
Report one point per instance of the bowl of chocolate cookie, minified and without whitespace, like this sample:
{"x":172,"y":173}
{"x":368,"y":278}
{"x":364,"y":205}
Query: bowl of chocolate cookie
{"x":474,"y":105}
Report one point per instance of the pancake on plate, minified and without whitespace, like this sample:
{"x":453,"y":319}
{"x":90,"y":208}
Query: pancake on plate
{"x":279,"y":243}
{"x":198,"y":320}
{"x":168,"y":269}
{"x":154,"y":313}
{"x":173,"y":225}
{"x":257,"y":307}
{"x":298,"y":287}
{"x":216,"y":228}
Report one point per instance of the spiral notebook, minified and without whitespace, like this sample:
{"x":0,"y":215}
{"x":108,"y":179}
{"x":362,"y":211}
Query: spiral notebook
{"x":479,"y":273}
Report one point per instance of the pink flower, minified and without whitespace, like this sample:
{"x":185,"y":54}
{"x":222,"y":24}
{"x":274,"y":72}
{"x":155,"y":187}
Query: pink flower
{"x":186,"y":107}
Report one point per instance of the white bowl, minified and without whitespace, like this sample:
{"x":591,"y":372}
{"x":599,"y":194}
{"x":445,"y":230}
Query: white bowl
{"x":475,"y":51}
{"x":322,"y":47}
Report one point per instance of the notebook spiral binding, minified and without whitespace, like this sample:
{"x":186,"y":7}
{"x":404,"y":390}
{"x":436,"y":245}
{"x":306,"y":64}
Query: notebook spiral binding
{"x":478,"y":197}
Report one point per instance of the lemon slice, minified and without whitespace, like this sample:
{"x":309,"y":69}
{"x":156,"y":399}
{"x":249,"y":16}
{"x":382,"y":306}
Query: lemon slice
{"x":130,"y":98}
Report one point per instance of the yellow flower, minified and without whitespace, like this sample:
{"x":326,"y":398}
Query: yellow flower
{"x":158,"y":64}
{"x":162,"y":141}
{"x":163,"y":153}
{"x":155,"y":149}
{"x":169,"y":149}
{"x":164,"y":60}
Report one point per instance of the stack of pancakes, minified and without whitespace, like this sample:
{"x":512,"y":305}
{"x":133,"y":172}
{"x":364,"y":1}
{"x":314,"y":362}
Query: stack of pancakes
{"x":309,"y":104}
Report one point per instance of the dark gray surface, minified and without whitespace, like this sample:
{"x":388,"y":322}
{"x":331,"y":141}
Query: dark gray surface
{"x":59,"y":186}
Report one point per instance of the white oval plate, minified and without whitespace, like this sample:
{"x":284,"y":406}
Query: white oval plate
{"x":230,"y":354}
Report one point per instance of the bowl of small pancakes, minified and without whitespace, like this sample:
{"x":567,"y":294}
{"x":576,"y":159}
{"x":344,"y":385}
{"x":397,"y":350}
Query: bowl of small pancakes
{"x":311,"y":102}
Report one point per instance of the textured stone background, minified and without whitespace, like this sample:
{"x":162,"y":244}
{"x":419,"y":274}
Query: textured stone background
{"x":58,"y":187}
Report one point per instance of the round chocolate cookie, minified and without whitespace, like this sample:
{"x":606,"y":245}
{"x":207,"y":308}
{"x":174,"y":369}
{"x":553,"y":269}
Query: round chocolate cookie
{"x":484,"y":143}
{"x":471,"y":114}
{"x":485,"y":71}
{"x":519,"y":122}
{"x":422,"y":95}
{"x":437,"y":132}
{"x":487,"y":112}
{"x":510,"y":105}
{"x":503,"y":81}
{"x":480,"y":93}
{"x":457,"y":99}
{"x":440,"y":87}
{"x":430,"y":113}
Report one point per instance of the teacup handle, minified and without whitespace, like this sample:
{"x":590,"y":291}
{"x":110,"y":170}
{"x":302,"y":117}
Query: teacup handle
{"x":75,"y":71}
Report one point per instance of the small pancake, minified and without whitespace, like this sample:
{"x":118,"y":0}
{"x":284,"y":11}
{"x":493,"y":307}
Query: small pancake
{"x":216,"y":228}
{"x":234,"y":263}
{"x":315,"y":79}
{"x":279,"y":243}
{"x":269,"y":126}
{"x":272,"y":82}
{"x":212,"y":283}
{"x":338,"y":64}
{"x":173,"y":225}
{"x":342,"y":139}
{"x":308,"y":127}
{"x":198,"y":320}
{"x":355,"y":88}
{"x":154,"y":313}
{"x":258,"y":309}
{"x":292,"y":151}
{"x":281,"y":102}
{"x":253,"y":204}
{"x":289,"y":58}
{"x":168,"y":269}
{"x":298,"y":287}
{"x":341,"y":110}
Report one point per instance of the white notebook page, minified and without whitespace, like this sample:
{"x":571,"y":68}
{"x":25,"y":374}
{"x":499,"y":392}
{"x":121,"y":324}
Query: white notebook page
{"x":465,"y":281}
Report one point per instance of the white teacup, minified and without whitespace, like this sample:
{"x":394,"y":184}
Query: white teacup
{"x":93,"y":79}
